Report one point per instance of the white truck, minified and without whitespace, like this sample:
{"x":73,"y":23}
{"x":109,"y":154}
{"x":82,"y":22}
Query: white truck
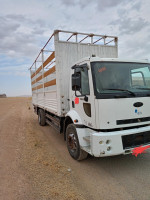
{"x":99,"y":102}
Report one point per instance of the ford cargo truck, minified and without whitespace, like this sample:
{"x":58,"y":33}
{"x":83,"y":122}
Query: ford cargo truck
{"x":99,"y":102}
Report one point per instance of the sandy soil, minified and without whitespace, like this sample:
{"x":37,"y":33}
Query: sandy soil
{"x":35,"y":164}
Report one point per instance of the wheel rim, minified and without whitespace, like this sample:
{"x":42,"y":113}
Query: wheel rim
{"x":72,"y":142}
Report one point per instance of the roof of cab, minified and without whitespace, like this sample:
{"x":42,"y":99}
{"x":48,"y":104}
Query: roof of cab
{"x":94,"y":59}
{"x":98,"y":59}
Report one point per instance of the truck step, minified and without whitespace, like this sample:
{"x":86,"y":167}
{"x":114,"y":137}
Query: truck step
{"x":54,"y":119}
{"x":87,"y":138}
{"x":53,"y":125}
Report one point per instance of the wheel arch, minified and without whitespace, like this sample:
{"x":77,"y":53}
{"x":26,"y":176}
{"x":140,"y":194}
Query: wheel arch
{"x":69,"y":119}
{"x":36,"y":109}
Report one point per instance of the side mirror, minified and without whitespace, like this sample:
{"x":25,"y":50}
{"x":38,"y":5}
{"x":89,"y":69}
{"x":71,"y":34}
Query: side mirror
{"x":76,"y":81}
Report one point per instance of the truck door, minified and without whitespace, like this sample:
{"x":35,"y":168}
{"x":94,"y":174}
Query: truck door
{"x":82,"y":95}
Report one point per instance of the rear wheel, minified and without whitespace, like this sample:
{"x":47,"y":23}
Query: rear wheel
{"x":41,"y":117}
{"x":73,"y":143}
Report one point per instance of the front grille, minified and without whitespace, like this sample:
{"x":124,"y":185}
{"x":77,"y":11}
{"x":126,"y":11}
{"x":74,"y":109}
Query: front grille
{"x":131,"y":121}
{"x":135,"y":140}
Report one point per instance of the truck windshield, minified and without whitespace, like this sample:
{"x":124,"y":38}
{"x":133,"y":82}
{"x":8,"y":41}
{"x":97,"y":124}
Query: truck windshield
{"x":124,"y":79}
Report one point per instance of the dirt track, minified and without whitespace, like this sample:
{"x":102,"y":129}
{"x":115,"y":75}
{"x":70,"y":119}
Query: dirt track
{"x":35,"y":164}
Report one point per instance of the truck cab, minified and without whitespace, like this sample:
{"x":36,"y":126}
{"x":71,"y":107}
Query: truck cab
{"x":110,"y":101}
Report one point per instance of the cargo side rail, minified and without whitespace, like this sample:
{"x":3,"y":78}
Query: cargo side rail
{"x":47,"y":67}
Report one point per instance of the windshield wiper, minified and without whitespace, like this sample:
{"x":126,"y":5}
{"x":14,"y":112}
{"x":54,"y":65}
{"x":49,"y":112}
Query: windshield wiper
{"x":124,"y":90}
{"x":143,"y":88}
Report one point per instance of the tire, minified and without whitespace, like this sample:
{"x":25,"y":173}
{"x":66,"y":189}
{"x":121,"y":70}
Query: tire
{"x":41,"y":117}
{"x":73,"y":143}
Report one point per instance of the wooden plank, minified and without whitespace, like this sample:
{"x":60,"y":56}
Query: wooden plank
{"x":47,"y":84}
{"x":37,"y":79}
{"x":50,"y":71}
{"x":50,"y":83}
{"x":38,"y":70}
{"x":38,"y":87}
{"x":48,"y":60}
{"x":32,"y":75}
{"x":33,"y":82}
{"x":33,"y":88}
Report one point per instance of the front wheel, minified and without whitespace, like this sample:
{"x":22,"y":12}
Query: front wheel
{"x":73,"y":143}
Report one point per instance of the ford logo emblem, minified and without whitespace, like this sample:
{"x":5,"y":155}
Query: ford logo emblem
{"x":138,"y":104}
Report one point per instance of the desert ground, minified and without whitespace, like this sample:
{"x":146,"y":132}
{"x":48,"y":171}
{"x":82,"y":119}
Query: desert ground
{"x":35,"y":164}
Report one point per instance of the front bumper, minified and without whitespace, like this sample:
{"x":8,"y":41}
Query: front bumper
{"x":112,"y":143}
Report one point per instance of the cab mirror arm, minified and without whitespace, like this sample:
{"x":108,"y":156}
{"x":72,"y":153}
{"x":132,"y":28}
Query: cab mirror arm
{"x":85,"y":98}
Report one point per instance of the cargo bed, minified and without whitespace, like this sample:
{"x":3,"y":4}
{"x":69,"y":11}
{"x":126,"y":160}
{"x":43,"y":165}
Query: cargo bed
{"x":50,"y":73}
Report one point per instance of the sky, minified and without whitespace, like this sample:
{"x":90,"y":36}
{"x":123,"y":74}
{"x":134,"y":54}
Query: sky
{"x":26,"y":25}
